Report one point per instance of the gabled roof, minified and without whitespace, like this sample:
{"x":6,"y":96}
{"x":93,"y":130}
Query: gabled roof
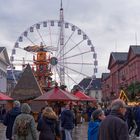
{"x":118,"y":57}
{"x":27,"y":86}
{"x":95,"y":83}
{"x":1,"y":49}
{"x":135,"y":49}
{"x":105,"y":76}
{"x":4,"y":56}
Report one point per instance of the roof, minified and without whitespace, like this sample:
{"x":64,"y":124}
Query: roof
{"x":135,"y":48}
{"x":117,"y":57}
{"x":27,"y":86}
{"x":95,"y":83}
{"x":57,"y":94}
{"x":17,"y":74}
{"x":120,"y":56}
{"x":4,"y":56}
{"x":83,"y":97}
{"x":1,"y":49}
{"x":4,"y":97}
{"x":105,"y":75}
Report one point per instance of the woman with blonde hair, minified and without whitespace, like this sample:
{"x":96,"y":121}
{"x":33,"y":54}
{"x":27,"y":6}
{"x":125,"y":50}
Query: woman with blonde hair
{"x":48,"y":125}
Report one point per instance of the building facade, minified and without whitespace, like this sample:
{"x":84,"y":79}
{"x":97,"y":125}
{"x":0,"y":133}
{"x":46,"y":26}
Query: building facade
{"x":4,"y":63}
{"x":94,"y":90}
{"x":124,"y":69}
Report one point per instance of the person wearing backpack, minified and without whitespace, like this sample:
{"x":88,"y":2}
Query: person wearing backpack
{"x":24,"y":125}
{"x":48,"y":125}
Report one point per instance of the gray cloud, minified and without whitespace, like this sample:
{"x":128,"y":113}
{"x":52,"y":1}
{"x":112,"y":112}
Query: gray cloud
{"x":111,"y":24}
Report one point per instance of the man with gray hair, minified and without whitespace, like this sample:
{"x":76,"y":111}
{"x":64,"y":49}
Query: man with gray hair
{"x":10,"y":118}
{"x":114,"y":126}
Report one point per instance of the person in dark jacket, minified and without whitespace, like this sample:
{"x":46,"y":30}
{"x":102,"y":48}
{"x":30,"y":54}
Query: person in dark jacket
{"x":137,"y":120}
{"x":130,"y":119}
{"x":67,"y":122}
{"x":48,"y":125}
{"x":114,"y":126}
{"x":93,"y":126}
{"x":10,"y":118}
{"x":90,"y":110}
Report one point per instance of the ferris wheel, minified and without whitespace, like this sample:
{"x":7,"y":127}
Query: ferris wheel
{"x":78,"y":60}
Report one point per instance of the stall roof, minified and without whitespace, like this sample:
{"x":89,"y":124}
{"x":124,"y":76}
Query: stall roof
{"x":83,"y":97}
{"x":4,"y":97}
{"x":57,"y":94}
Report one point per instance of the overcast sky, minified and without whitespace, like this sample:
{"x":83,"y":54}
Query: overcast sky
{"x":112,"y":25}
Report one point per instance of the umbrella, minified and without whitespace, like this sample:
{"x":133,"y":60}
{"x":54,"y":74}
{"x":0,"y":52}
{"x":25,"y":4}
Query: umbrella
{"x":57,"y":94}
{"x":83,"y":97}
{"x":4,"y":97}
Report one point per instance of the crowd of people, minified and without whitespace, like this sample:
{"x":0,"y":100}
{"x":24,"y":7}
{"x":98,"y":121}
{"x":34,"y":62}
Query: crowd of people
{"x":20,"y":123}
{"x":114,"y":123}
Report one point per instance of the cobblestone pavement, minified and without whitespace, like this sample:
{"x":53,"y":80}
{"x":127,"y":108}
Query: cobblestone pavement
{"x":79,"y":132}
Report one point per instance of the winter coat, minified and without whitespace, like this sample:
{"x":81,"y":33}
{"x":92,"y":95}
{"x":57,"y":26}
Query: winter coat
{"x":48,"y":127}
{"x":93,"y":128}
{"x":113,"y":127}
{"x":32,"y":133}
{"x":137,"y":115}
{"x":89,"y":111}
{"x":9,"y":120}
{"x":67,"y":119}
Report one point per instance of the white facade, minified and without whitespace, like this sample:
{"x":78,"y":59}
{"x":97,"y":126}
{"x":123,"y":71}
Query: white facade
{"x":97,"y":94}
{"x":4,"y":62}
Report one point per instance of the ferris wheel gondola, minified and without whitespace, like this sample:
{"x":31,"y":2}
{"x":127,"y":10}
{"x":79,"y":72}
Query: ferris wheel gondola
{"x":79,"y":56}
{"x":70,"y":53}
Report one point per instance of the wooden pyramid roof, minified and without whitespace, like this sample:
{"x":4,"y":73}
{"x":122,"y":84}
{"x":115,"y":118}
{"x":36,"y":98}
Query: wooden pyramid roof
{"x":27,"y":87}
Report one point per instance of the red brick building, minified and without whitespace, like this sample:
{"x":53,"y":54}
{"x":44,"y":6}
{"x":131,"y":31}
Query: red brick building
{"x":124,"y":69}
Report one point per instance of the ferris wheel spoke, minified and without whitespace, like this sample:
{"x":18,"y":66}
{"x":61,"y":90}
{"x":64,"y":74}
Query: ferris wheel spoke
{"x":65,"y":44}
{"x":75,"y":55}
{"x":57,"y":72}
{"x":72,"y":48}
{"x":78,"y":63}
{"x":41,"y":37}
{"x":28,"y":51}
{"x":73,"y":80}
{"x":74,"y":70}
{"x":30,"y":40}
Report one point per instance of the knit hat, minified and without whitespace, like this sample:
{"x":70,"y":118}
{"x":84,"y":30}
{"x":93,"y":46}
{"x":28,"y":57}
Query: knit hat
{"x":16,"y":103}
{"x":25,"y":108}
{"x":97,"y":113}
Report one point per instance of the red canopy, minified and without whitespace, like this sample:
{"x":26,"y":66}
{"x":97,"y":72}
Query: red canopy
{"x":4,"y":97}
{"x":83,"y":97}
{"x":57,"y":94}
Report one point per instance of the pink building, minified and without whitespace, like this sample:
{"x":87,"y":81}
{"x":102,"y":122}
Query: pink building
{"x":124,"y":69}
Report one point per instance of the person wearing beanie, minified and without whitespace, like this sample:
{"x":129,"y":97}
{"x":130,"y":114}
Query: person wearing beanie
{"x":10,"y":118}
{"x":93,"y":126}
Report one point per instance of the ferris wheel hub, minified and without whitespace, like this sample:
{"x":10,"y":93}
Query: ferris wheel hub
{"x":53,"y":61}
